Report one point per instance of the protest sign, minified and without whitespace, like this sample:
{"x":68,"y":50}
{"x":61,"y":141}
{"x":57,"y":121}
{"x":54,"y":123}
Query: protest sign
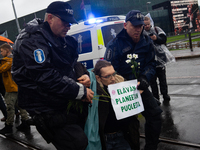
{"x":125,"y":99}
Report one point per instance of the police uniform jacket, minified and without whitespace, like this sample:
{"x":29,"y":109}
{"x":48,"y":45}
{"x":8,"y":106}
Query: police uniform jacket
{"x":43,"y":68}
{"x":119,"y":47}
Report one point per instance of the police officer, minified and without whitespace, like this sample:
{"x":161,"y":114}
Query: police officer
{"x":44,"y":70}
{"x":132,"y":41}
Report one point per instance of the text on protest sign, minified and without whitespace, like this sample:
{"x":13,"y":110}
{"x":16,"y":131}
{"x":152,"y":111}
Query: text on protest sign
{"x":126,"y":99}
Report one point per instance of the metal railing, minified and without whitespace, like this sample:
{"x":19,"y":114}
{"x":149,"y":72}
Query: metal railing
{"x":182,"y":45}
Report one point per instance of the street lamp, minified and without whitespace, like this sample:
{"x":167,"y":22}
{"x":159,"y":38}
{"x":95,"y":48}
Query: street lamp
{"x":17,"y":22}
{"x":147,"y":5}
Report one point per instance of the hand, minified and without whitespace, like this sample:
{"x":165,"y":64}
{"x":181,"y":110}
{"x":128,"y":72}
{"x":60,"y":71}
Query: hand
{"x":85,"y":80}
{"x":141,"y":91}
{"x":89,"y":96}
{"x":153,"y":37}
{"x":143,"y":83}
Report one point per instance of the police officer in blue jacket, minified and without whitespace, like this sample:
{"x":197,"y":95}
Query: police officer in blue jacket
{"x":45,"y":70}
{"x":131,"y":40}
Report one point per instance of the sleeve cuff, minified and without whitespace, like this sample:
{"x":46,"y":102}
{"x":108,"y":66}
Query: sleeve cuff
{"x":82,"y":91}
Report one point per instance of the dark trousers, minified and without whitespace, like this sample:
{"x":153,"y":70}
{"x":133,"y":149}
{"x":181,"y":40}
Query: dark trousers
{"x":161,"y":75}
{"x":69,"y":137}
{"x":61,"y":130}
{"x":3,"y":106}
{"x":116,"y":141}
{"x":153,"y":122}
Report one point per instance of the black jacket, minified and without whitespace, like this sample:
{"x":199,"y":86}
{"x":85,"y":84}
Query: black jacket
{"x":119,"y":47}
{"x":43,"y":68}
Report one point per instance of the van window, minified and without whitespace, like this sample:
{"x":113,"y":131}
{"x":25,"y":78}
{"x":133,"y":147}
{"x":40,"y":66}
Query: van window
{"x":109,"y":32}
{"x":84,"y":42}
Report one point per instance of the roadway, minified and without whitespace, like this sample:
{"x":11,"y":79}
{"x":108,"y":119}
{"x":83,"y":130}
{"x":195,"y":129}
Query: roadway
{"x":180,"y":129}
{"x":181,"y":119}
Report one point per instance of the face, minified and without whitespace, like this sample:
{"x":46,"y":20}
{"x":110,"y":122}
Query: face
{"x":58,"y":27}
{"x":147,"y":25}
{"x":3,"y":52}
{"x":133,"y":31}
{"x":107,"y":75}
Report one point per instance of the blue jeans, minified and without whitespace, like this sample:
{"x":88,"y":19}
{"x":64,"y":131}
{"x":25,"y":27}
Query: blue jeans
{"x":116,"y":141}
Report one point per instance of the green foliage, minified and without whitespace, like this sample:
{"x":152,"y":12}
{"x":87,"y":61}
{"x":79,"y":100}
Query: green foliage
{"x":180,"y":37}
{"x":76,"y":105}
{"x":194,"y":40}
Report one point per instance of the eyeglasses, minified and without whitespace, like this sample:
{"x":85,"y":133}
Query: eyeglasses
{"x":109,"y":76}
{"x":66,"y":24}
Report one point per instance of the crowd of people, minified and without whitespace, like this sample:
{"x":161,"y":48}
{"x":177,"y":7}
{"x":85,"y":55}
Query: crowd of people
{"x":55,"y":92}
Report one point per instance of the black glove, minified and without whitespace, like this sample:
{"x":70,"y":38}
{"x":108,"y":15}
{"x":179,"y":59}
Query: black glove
{"x":143,"y":83}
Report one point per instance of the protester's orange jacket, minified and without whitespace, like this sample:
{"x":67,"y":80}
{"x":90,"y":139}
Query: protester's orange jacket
{"x":5,"y":69}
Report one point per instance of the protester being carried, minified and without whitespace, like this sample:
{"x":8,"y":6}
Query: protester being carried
{"x":114,"y":134}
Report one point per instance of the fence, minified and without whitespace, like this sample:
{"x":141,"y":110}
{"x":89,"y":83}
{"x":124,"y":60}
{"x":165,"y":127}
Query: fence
{"x":182,"y":45}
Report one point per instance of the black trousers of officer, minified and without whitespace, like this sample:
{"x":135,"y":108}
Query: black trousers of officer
{"x":62,"y":130}
{"x":152,"y":113}
{"x":161,"y":75}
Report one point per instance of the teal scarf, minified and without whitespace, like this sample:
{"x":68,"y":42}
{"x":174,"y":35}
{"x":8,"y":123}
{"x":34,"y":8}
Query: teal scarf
{"x":91,"y":128}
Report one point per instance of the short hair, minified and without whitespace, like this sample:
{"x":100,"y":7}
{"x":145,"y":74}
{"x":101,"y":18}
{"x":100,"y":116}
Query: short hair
{"x":100,"y":64}
{"x":6,"y":46}
{"x":45,"y":16}
{"x":146,"y":18}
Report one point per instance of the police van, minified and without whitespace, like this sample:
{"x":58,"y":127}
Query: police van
{"x":93,"y":35}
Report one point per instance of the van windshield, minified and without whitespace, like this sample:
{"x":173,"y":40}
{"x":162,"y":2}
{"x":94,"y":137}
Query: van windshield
{"x":109,"y":32}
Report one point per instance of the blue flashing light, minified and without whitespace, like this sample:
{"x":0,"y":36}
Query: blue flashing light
{"x":99,"y":20}
{"x":94,"y":20}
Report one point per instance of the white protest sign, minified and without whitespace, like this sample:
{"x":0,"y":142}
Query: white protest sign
{"x":126,"y":99}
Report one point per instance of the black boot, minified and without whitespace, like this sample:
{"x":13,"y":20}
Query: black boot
{"x":30,"y":121}
{"x":7,"y":129}
{"x":158,"y":101}
{"x":24,"y":126}
{"x":166,"y":97}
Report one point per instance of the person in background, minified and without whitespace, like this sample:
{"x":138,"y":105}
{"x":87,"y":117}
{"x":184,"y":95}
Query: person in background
{"x":11,"y":92}
{"x":2,"y":94}
{"x":159,"y":37}
{"x":129,"y":41}
{"x":114,"y":134}
{"x":2,"y":104}
{"x":44,"y":70}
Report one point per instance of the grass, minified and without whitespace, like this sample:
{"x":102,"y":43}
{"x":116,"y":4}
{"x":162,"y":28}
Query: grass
{"x":175,"y":38}
{"x":194,"y":40}
{"x":181,"y":37}
{"x":177,"y":49}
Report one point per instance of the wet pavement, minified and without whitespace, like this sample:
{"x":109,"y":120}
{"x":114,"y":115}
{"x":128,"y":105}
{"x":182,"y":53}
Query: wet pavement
{"x":181,"y":119}
{"x":186,"y":53}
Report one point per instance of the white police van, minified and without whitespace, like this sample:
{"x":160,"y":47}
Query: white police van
{"x":93,"y":35}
